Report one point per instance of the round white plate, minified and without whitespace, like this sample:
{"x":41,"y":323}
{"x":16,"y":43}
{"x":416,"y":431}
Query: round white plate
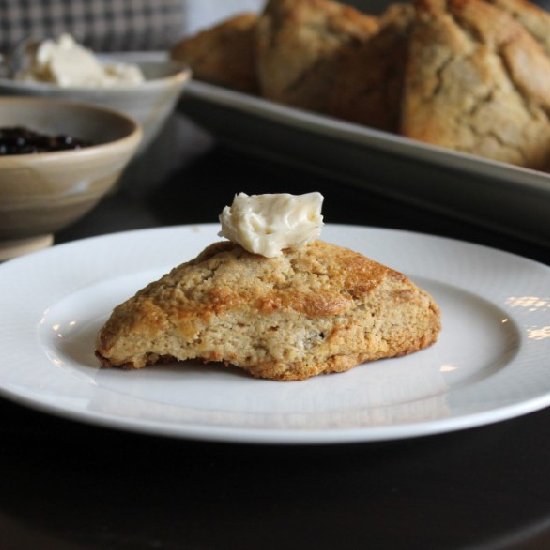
{"x":491,"y":361}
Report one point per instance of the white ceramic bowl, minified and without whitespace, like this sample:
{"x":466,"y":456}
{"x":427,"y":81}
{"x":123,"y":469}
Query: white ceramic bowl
{"x":41,"y":193}
{"x":149,"y":103}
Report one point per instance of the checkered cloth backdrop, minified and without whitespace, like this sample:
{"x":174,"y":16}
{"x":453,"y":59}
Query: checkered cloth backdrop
{"x":103,"y":25}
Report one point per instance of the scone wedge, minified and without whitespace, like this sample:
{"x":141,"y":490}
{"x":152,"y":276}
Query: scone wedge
{"x":299,"y":44}
{"x":370,"y":77}
{"x":477,"y":81}
{"x":318,"y":308}
{"x":327,"y":57}
{"x":224,"y":54}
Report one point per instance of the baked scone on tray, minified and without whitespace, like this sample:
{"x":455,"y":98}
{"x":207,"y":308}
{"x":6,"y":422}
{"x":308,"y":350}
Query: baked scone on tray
{"x":289,"y":308}
{"x":224,"y":54}
{"x":477,"y":82}
{"x":299,"y":45}
{"x":369,"y":77}
{"x":471,"y":76}
{"x":322,"y":56}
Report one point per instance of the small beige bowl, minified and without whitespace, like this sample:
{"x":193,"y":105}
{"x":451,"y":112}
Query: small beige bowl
{"x":149,"y":103}
{"x":41,"y":193}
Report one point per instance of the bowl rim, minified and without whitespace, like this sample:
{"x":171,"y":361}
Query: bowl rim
{"x":132,"y":139}
{"x":181,"y":75}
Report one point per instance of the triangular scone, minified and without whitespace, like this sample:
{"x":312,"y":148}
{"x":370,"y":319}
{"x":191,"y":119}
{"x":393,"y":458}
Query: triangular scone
{"x":224,"y":54}
{"x":477,"y":82}
{"x":318,"y":308}
{"x":298,"y":44}
{"x":369,"y":84}
{"x":322,"y":56}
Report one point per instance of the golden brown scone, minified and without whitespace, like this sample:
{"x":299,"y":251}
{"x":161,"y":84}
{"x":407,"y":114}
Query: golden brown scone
{"x":355,"y":75}
{"x":224,"y":54}
{"x":370,"y":78}
{"x":477,"y":82}
{"x":298,"y":47}
{"x":316,"y":309}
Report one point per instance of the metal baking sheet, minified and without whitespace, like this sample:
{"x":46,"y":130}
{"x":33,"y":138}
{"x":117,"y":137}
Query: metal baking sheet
{"x":494,"y":194}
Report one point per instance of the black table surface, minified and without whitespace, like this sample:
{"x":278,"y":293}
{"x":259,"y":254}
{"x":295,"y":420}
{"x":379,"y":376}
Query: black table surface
{"x":69,"y":485}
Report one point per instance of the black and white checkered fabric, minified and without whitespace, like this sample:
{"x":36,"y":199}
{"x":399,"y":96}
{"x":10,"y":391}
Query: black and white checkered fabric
{"x":103,"y":25}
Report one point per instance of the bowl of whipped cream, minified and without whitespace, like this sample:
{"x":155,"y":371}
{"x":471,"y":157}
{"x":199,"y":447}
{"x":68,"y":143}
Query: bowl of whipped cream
{"x":139,"y":85}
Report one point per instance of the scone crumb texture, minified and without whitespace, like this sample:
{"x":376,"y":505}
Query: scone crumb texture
{"x":317,"y":308}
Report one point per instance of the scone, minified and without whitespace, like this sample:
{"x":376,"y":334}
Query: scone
{"x":317,"y":308}
{"x":370,"y":78}
{"x":298,"y":45}
{"x":477,"y":82}
{"x":224,"y":54}
{"x":329,"y":58}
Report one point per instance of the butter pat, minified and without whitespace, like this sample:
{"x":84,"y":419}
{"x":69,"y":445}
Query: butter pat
{"x":68,"y":65}
{"x":267,"y":224}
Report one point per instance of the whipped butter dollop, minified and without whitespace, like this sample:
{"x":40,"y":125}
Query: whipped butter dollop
{"x":67,"y":64}
{"x":267,"y":224}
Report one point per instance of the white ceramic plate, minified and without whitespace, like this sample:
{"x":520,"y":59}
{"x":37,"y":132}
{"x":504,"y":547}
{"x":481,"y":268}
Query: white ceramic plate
{"x":491,"y":362}
{"x":513,"y":200}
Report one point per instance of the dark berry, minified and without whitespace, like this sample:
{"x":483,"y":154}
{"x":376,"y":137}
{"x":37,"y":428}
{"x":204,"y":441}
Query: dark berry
{"x":19,"y":140}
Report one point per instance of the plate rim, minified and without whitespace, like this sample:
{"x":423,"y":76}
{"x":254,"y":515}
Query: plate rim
{"x":263,"y":436}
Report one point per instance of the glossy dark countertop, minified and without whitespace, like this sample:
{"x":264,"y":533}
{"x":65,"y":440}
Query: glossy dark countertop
{"x":69,"y":485}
